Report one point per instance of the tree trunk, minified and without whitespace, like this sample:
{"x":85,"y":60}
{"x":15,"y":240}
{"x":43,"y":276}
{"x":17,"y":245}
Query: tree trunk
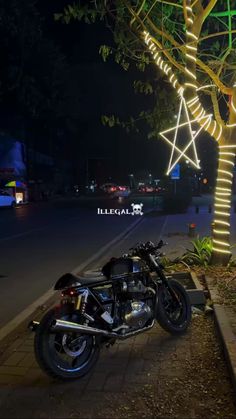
{"x":222,"y":205}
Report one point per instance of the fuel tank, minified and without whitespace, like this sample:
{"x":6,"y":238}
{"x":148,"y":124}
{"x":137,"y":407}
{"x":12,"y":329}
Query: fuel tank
{"x":124,"y":266}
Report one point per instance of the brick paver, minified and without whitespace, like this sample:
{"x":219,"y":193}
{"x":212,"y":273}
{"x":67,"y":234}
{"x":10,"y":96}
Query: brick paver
{"x":127,"y":368}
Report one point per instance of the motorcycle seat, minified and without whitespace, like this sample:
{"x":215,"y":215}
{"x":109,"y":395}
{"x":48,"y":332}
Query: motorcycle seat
{"x":72,"y":280}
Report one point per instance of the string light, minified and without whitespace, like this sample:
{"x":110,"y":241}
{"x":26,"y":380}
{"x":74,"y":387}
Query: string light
{"x":226,"y":172}
{"x":201,"y":113}
{"x":191,"y":57}
{"x":223,"y":189}
{"x":221,"y":250}
{"x":205,"y":87}
{"x":221,"y":231}
{"x":224,"y":180}
{"x":220,"y":242}
{"x":191,"y":47}
{"x":214,"y":128}
{"x":195,"y":110}
{"x":208,"y":124}
{"x":190,"y":73}
{"x":226,"y":153}
{"x":228,"y":146}
{"x":193,"y":136}
{"x":223,"y":193}
{"x":193,"y":101}
{"x":222,"y":213}
{"x":227,"y":161}
{"x":222,"y":200}
{"x":225,"y":223}
{"x":191,"y":85}
{"x":192,"y":35}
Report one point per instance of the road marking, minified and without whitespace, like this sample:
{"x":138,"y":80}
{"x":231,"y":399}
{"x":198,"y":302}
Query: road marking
{"x":17,"y":320}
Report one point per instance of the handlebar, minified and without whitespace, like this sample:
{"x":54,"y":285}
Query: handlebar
{"x":148,"y":247}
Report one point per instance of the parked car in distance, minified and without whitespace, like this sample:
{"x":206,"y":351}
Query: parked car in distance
{"x":6,"y":200}
{"x":151,"y":189}
{"x":109,"y":187}
{"x":122,"y":191}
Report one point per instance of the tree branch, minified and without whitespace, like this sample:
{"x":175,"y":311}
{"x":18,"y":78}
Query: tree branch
{"x":216,"y":108}
{"x":201,"y":64}
{"x":208,"y":9}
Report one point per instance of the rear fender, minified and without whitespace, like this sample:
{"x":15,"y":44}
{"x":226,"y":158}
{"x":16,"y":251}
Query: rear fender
{"x":67,"y":280}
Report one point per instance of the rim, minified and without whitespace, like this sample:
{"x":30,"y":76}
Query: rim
{"x":71,"y":352}
{"x":175,"y":312}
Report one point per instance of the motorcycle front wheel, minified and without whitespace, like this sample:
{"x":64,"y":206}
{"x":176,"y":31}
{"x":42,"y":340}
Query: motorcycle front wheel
{"x":174,"y":316}
{"x":64,"y":355}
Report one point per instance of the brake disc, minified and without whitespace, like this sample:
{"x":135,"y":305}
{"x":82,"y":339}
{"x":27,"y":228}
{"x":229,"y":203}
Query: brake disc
{"x":66,"y":342}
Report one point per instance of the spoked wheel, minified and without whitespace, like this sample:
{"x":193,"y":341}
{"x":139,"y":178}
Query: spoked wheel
{"x":174,"y":315}
{"x":64,"y":355}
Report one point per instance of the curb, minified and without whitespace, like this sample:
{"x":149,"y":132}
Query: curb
{"x":196,"y":295}
{"x":224,"y":328}
{"x":46,"y":297}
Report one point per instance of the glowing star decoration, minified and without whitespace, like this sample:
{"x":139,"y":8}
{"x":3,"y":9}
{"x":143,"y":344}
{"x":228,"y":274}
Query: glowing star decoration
{"x":176,"y":152}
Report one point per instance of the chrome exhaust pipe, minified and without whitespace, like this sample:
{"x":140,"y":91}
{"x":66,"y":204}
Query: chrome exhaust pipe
{"x":64,"y":326}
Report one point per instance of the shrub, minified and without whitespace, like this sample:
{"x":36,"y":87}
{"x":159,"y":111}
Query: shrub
{"x":201,"y":252}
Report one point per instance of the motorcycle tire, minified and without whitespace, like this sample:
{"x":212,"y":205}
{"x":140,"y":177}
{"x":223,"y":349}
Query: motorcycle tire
{"x":166,"y":312}
{"x":48,"y":355}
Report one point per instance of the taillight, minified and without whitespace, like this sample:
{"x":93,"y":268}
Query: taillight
{"x":69,"y":291}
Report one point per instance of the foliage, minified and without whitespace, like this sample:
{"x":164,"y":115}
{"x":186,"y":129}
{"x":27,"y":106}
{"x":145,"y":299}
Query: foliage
{"x":127,"y":51}
{"x":201,"y":252}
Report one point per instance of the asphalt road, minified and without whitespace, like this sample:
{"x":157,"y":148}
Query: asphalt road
{"x":38,"y":243}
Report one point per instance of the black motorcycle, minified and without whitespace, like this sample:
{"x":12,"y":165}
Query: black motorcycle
{"x":125,"y":299}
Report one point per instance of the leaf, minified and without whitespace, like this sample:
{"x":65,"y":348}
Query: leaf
{"x":105,"y":51}
{"x":58,"y":16}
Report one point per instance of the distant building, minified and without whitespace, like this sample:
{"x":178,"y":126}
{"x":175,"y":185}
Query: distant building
{"x":12,"y":159}
{"x":44,"y":175}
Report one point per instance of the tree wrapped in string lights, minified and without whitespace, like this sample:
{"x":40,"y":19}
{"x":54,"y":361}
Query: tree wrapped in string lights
{"x":193,"y":43}
{"x":195,"y":75}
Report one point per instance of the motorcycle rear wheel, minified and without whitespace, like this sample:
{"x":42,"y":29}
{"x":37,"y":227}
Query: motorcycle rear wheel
{"x":172,"y":317}
{"x":64,"y":356}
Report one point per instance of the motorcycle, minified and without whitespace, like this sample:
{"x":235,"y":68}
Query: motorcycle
{"x":129,"y":295}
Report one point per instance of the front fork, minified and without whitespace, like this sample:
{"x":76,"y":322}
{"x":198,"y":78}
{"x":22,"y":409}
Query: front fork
{"x":163,"y":279}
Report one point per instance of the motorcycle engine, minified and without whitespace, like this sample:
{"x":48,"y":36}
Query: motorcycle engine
{"x":136,"y":314}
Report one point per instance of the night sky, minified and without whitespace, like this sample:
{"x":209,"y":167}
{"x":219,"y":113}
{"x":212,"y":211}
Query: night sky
{"x":96,"y":88}
{"x":105,"y":88}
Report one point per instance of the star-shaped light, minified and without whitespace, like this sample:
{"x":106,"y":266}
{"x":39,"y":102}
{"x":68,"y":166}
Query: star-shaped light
{"x":193,"y":135}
